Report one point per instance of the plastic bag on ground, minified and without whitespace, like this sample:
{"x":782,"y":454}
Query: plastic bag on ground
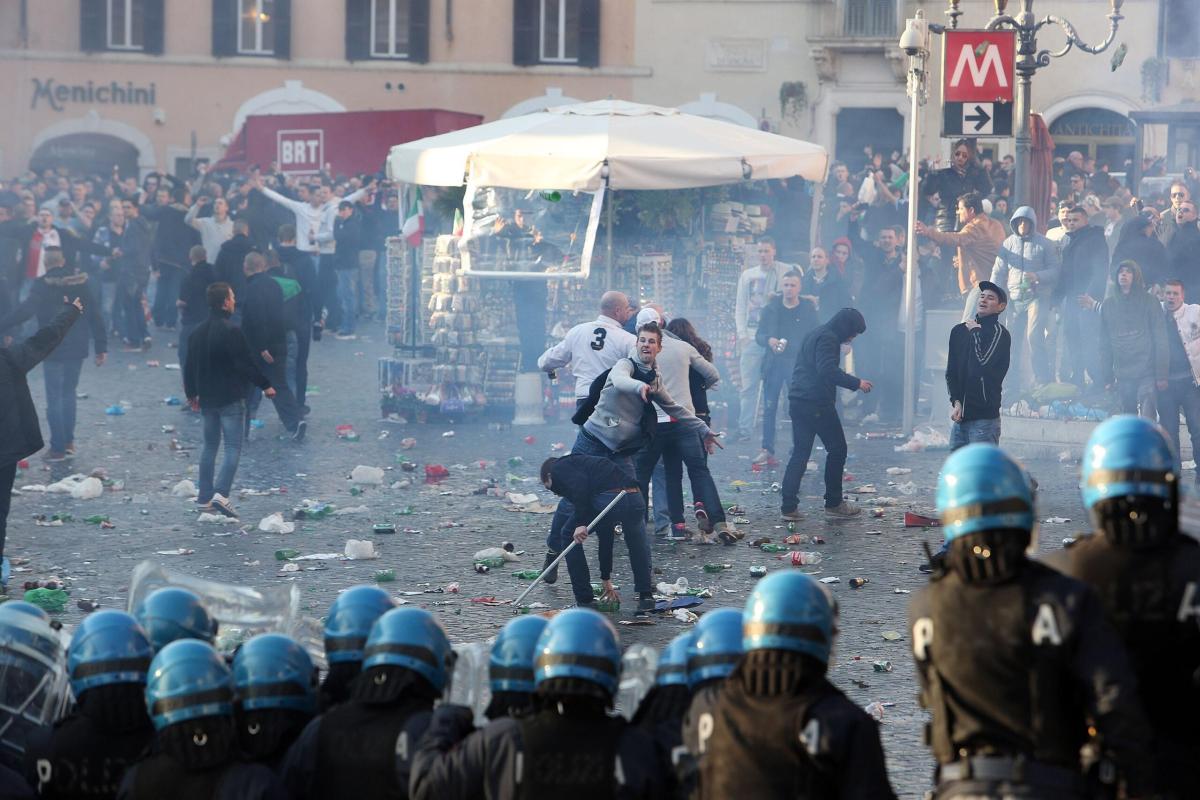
{"x":366,"y":476}
{"x":274,"y":523}
{"x":496,"y":552}
{"x":341,"y":512}
{"x":184,"y":488}
{"x":928,"y":439}
{"x":678,"y":587}
{"x":358,"y":549}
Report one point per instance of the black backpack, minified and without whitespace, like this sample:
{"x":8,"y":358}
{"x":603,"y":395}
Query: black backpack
{"x":649,"y":421}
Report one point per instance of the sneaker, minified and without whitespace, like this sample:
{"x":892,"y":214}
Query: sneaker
{"x":552,"y":575}
{"x":301,"y":429}
{"x":792,"y":516}
{"x":54,"y":456}
{"x":220,"y":505}
{"x":925,"y":568}
{"x":870,"y":419}
{"x":345,"y":337}
{"x":645,"y":606}
{"x":70,"y":450}
{"x":764,"y":457}
{"x":661,"y":533}
{"x":702,"y":520}
{"x":679,"y":533}
{"x":843,"y":509}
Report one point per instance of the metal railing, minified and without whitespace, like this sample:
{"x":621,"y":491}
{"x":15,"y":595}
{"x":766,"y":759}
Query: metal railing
{"x":870,"y":18}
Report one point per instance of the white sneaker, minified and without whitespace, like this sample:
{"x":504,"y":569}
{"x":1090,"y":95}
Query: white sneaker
{"x":843,"y":509}
{"x":222,"y":505}
{"x":763,"y":457}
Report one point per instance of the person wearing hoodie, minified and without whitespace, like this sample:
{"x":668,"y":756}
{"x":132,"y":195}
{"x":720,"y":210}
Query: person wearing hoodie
{"x":298,"y":266}
{"x":62,"y":367}
{"x":230,"y":259}
{"x":1027,"y":266}
{"x":977,"y":362}
{"x":1084,"y":276}
{"x":1133,"y":342}
{"x":812,"y":399}
{"x":1183,"y":368}
{"x":1138,"y":242}
{"x":193,"y":302}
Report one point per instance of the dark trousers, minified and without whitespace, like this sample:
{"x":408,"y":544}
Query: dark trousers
{"x":303,"y":341}
{"x":132,"y":318}
{"x":1180,"y":396}
{"x":284,"y":400}
{"x":165,"y":312}
{"x":8,"y":474}
{"x":629,"y":513}
{"x":185,"y":332}
{"x":327,"y":296}
{"x":811,"y":420}
{"x":678,"y":447}
{"x":775,"y":381}
{"x":62,"y":378}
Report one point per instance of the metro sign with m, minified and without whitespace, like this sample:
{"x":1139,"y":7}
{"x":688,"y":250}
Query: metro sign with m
{"x":300,"y":152}
{"x":978,"y":66}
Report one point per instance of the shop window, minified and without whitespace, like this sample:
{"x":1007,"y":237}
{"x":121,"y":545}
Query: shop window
{"x":252,"y":28}
{"x":556,"y":32}
{"x":388,"y":29}
{"x":121,"y":25}
{"x":1181,"y":28}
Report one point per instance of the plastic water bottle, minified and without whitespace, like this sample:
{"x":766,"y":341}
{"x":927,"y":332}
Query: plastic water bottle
{"x":805,"y":558}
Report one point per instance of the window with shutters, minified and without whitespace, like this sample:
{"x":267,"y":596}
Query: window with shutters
{"x":559,"y":31}
{"x":126,"y":24}
{"x":256,"y":27}
{"x":390,"y":21}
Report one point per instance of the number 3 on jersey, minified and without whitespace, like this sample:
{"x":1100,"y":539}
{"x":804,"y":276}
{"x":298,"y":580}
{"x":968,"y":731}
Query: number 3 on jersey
{"x":598,"y":342}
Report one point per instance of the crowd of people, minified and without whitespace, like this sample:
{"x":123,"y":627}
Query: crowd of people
{"x":1070,"y":690}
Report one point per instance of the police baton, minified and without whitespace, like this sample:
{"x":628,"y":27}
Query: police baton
{"x":568,"y":548}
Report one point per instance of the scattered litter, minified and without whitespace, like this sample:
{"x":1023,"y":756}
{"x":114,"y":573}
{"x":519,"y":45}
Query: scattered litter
{"x":179,"y":551}
{"x":892,"y":636}
{"x":530,"y":439}
{"x":831,"y":579}
{"x":912,"y":520}
{"x":860,"y":684}
{"x":185,"y":488}
{"x":758,"y":571}
{"x":875,"y":710}
{"x":343,"y":432}
{"x":858,"y":583}
{"x":53,"y":601}
{"x":521,"y":499}
{"x":908,"y":488}
{"x":448,"y":434}
{"x":683,"y":615}
{"x":408,"y":444}
{"x":898,"y":471}
{"x":1056,"y":520}
{"x":357,"y":550}
{"x":290,"y":567}
{"x":274,"y":523}
{"x":87,"y":606}
{"x":670,"y":589}
{"x":866,"y":488}
{"x":79,"y":486}
{"x":803,"y":558}
{"x":385,"y":576}
{"x":312,"y":509}
{"x":435,"y":472}
{"x":257,"y":424}
{"x":928,"y":439}
{"x":220,"y":519}
{"x":341,"y":512}
{"x":488,"y":553}
{"x":898,"y":590}
{"x":882,"y":666}
{"x":115,"y":411}
{"x":366,"y":476}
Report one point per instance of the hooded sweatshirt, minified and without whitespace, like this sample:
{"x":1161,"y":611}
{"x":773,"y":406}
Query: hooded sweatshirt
{"x":1133,"y":334}
{"x":1026,"y":264}
{"x":817,"y":375}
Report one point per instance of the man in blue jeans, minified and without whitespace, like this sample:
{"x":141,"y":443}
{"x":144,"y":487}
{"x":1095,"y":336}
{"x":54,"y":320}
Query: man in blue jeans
{"x":975,"y":370}
{"x":348,"y":232}
{"x":216,"y":380}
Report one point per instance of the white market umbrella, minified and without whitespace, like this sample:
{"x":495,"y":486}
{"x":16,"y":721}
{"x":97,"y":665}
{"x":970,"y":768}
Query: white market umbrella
{"x":607,"y":143}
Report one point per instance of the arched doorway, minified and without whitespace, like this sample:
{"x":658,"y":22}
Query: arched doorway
{"x":86,"y":154}
{"x":1097,"y":133}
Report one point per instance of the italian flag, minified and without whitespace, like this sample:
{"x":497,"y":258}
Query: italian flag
{"x":414,"y":222}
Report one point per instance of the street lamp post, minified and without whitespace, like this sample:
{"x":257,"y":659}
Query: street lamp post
{"x":1029,"y":61}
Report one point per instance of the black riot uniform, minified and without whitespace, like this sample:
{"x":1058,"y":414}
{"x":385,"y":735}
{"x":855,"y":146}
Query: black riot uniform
{"x":581,"y":754}
{"x":364,"y":744}
{"x":660,"y":715}
{"x":1042,"y":660}
{"x":86,"y":754}
{"x":804,"y":737}
{"x":696,"y":729}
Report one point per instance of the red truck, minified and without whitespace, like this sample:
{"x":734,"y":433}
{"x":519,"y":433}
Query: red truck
{"x":351,"y":142}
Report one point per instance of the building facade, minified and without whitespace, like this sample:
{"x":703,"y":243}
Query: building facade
{"x":153,"y":84}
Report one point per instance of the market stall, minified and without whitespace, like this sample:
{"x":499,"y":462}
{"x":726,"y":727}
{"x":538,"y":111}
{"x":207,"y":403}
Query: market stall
{"x":533,"y":192}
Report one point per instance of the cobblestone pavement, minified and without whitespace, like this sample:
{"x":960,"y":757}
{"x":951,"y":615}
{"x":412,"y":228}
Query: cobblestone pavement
{"x":135,"y":448}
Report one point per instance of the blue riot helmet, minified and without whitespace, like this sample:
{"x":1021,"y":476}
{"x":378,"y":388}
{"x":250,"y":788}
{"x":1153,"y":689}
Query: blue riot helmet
{"x":789,"y":611}
{"x":1129,"y":480}
{"x":716,"y":647}
{"x":172,"y":613}
{"x":672,"y":662}
{"x":981,"y":488}
{"x":411,"y":638}
{"x":33,"y":681}
{"x":109,"y":647}
{"x":350,"y":619}
{"x":188,"y":680}
{"x":579,"y":643}
{"x":272,"y":671}
{"x":510,"y":665}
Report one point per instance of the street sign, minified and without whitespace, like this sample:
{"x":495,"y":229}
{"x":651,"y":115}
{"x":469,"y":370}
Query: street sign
{"x":977,"y":83}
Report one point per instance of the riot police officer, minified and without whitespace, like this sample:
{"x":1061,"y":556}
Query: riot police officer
{"x":510,"y":667}
{"x":172,"y":613}
{"x":780,"y":728}
{"x":1014,"y":657}
{"x":712,"y":654}
{"x":366,"y":742}
{"x":1147,"y":574}
{"x":276,"y":686}
{"x":569,"y":747}
{"x":85,"y":755}
{"x":189,"y":694}
{"x":346,"y":629}
{"x":660,"y":714}
{"x":33,"y":683}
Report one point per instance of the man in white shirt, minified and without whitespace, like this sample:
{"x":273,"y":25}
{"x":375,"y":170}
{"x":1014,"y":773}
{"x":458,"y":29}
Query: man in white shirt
{"x":214,"y":230}
{"x":755,"y":287}
{"x":590,"y":348}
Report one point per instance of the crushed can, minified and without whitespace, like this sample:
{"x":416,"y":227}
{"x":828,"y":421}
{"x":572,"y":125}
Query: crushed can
{"x":758,"y":572}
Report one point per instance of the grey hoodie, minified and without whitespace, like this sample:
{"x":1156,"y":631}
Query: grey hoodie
{"x":1024,"y":257}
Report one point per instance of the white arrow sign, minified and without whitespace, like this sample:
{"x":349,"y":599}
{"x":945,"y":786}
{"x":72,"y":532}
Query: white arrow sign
{"x":977,"y":118}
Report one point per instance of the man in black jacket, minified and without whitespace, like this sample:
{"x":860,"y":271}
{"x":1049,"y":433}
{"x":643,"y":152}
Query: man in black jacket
{"x":61,"y":369}
{"x":811,"y":400}
{"x":231,"y":257}
{"x":20,"y":433}
{"x":1084,"y":276}
{"x":786,"y":320}
{"x":193,"y":299}
{"x":173,"y":239}
{"x":299,"y":267}
{"x":216,"y":375}
{"x":1183,"y":252}
{"x":265,"y":327}
{"x":975,"y":370}
{"x":348,"y":231}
